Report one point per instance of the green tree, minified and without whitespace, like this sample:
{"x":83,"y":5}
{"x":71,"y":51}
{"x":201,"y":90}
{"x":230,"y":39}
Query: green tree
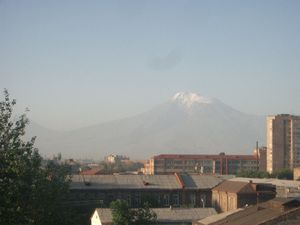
{"x":143,"y":216}
{"x":123,"y":215}
{"x":254,"y":174}
{"x":284,"y":174}
{"x":29,"y":194}
{"x":120,"y":166}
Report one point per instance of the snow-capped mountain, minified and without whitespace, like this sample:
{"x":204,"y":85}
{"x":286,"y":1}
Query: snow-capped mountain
{"x":187,"y":123}
{"x":189,"y":99}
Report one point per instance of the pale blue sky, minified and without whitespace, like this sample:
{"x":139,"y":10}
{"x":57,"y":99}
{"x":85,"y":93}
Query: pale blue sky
{"x":76,"y":63}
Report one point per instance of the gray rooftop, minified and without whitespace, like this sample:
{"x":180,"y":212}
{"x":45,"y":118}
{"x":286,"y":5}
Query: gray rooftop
{"x":167,"y":214}
{"x":143,"y":181}
{"x":276,"y":182}
{"x":200,"y":181}
{"x":257,"y":214}
{"x":181,"y":214}
{"x":214,"y":218}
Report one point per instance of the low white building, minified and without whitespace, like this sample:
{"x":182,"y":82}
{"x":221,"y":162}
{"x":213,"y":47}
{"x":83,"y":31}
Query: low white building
{"x":112,"y":158}
{"x":165,"y":216}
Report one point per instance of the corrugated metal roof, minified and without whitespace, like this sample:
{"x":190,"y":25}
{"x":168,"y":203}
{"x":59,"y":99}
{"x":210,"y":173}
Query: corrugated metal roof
{"x":257,"y":214}
{"x":167,"y":214}
{"x":251,"y":215}
{"x":277,"y":182}
{"x":143,"y":182}
{"x":214,"y":218}
{"x":181,"y":214}
{"x":125,"y":182}
{"x":248,"y":216}
{"x":202,"y":181}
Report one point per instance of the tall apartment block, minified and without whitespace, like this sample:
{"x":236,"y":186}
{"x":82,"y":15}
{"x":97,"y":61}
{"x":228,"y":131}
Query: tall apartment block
{"x":283,"y":142}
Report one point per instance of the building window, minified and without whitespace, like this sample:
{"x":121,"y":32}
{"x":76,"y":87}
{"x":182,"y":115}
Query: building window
{"x":137,"y":199}
{"x":157,"y":196}
{"x":128,"y":199}
{"x":193,"y":199}
{"x":100,"y":196}
{"x":166,"y":200}
{"x":176,"y":199}
{"x":203,"y":200}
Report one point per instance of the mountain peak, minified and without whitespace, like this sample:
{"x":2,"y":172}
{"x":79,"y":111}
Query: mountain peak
{"x":189,"y":98}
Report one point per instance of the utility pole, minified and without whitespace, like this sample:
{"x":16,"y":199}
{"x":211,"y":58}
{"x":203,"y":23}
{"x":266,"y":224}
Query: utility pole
{"x":257,"y":166}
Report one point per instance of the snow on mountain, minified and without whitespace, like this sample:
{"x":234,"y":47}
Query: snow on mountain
{"x":188,"y":99}
{"x":187,"y":123}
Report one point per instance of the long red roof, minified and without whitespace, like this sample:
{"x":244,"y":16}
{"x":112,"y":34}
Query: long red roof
{"x":200,"y":156}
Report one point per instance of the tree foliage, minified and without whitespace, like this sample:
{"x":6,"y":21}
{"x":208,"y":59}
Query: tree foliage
{"x":119,"y":166}
{"x":284,"y":174}
{"x":254,"y":174}
{"x":123,"y":215}
{"x":143,"y":215}
{"x":29,"y":194}
{"x":120,"y":213}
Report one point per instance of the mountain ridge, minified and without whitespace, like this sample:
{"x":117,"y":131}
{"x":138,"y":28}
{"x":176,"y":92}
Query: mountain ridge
{"x":191,"y":124}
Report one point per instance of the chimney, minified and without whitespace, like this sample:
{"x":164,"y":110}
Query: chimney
{"x":180,"y":180}
{"x":145,"y":183}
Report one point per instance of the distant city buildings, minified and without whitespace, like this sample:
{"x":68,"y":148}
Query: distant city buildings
{"x":112,"y":158}
{"x":283,"y":142}
{"x":178,"y":182}
{"x":91,"y":172}
{"x":205,"y":164}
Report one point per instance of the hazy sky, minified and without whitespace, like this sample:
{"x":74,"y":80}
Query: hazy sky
{"x":76,"y":63}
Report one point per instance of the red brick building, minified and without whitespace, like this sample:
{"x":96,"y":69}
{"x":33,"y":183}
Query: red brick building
{"x":204,"y":164}
{"x":230,"y":195}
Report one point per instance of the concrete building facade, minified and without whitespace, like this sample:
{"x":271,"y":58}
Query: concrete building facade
{"x":283,"y":142}
{"x":205,"y":164}
{"x":262,"y":157}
